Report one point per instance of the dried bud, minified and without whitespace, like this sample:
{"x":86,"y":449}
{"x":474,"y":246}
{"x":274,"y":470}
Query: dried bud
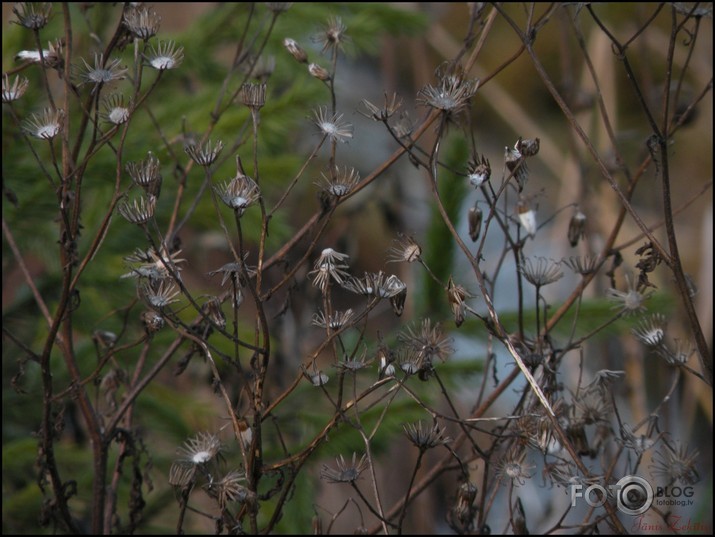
{"x":50,"y":57}
{"x":464,"y":509}
{"x":527,"y":217}
{"x":295,"y":50}
{"x":516,"y":164}
{"x":12,"y":92}
{"x":318,"y":72}
{"x":528,"y":147}
{"x":576,"y":227}
{"x":479,"y":172}
{"x":104,"y":338}
{"x":386,"y":358}
{"x":475,"y":222}
{"x":456,"y":295}
{"x":519,"y":520}
{"x":212,"y":309}
{"x":153,"y":322}
{"x":398,"y":302}
{"x":246,"y":432}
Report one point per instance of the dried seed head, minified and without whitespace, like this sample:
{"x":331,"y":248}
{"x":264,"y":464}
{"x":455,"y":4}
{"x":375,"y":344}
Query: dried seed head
{"x":345,"y":472}
{"x":335,"y":321}
{"x":629,"y":302}
{"x":103,"y":72}
{"x":678,"y":355}
{"x":540,"y":271}
{"x":32,"y":15}
{"x":427,"y":340}
{"x":651,"y":330}
{"x":229,"y":489}
{"x":603,"y":379}
{"x":159,"y":294}
{"x":145,"y":172}
{"x":404,"y":127}
{"x":330,"y":265}
{"x":513,"y":467}
{"x":583,"y":265}
{"x":152,"y":265}
{"x":676,"y":464}
{"x":12,"y":92}
{"x":253,"y":95}
{"x":392,"y":104}
{"x":46,"y":125}
{"x":140,"y":211}
{"x":629,"y":440}
{"x":332,"y":125}
{"x":354,"y":363}
{"x":201,"y":449}
{"x":165,"y":56}
{"x":339,"y":183}
{"x":115,"y":111}
{"x":592,"y":406}
{"x":240,"y":192}
{"x":451,"y":95}
{"x":204,"y":154}
{"x":142,"y":22}
{"x":376,"y":284}
{"x":404,"y":249}
{"x":333,"y":35}
{"x":424,"y":437}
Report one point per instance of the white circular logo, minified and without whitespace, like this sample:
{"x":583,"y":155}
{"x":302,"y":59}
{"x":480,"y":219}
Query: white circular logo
{"x":634,"y":495}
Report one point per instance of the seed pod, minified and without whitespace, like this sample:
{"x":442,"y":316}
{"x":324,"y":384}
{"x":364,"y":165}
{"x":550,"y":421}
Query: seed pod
{"x":475,"y":222}
{"x":577,"y":227}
